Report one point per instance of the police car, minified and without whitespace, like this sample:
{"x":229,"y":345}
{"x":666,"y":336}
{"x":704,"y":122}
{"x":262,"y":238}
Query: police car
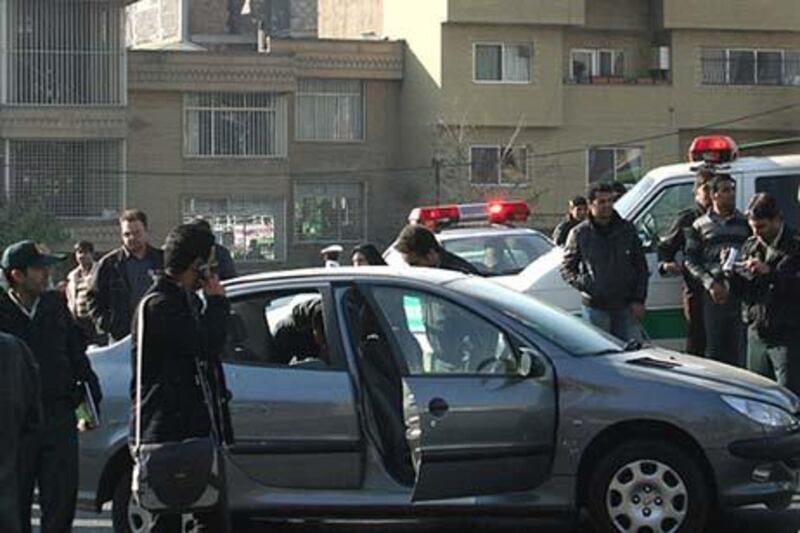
{"x":482,"y":233}
{"x":652,"y":205}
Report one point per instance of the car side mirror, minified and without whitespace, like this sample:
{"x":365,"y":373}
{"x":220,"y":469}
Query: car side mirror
{"x":530,"y":363}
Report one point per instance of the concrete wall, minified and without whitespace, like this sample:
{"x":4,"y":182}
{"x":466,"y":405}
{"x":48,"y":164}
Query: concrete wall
{"x":555,"y":12}
{"x":620,"y":15}
{"x":764,"y":15}
{"x":350,"y":19}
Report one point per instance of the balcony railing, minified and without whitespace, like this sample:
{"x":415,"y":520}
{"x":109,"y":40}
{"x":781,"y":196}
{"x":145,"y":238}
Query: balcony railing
{"x":649,"y":80}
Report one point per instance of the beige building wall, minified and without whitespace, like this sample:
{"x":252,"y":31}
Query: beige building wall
{"x":350,"y":19}
{"x":757,"y":15}
{"x":560,"y":12}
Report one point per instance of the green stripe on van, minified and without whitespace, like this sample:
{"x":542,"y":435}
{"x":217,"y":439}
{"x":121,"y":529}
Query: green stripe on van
{"x":665,"y":324}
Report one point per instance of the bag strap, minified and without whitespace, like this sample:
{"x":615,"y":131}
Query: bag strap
{"x":139,"y":358}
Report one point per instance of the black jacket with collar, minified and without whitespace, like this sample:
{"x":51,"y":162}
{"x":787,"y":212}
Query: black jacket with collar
{"x":674,"y":242}
{"x":176,"y":335}
{"x":606,"y":263}
{"x":110,"y":294}
{"x":57,"y":345}
{"x":771,"y":302}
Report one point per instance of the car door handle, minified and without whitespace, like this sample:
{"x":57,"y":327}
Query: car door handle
{"x":438,"y":407}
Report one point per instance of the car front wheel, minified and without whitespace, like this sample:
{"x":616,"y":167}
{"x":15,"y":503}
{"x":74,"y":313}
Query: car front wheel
{"x":648,"y":487}
{"x":126,"y":515}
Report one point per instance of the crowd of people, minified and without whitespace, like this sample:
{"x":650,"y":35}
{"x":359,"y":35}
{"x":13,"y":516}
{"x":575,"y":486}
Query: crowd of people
{"x":741,"y":275}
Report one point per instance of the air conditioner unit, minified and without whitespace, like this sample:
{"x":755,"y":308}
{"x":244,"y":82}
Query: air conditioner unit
{"x":659,"y":58}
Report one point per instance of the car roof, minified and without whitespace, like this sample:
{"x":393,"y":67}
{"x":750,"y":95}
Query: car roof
{"x":744,"y":164}
{"x":484,"y":231}
{"x":435,"y":276}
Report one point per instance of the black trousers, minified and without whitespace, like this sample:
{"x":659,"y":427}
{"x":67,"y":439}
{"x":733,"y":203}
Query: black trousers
{"x":695,"y":325}
{"x":725,"y":331}
{"x":48,"y":459}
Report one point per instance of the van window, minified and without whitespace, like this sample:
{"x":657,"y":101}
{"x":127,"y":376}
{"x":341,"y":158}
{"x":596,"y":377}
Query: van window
{"x":785,"y":190}
{"x":657,"y":218}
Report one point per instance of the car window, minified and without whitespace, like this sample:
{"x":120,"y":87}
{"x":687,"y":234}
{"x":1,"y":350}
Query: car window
{"x":436,"y":336}
{"x":657,"y":218}
{"x":285,"y":328}
{"x":558,"y":327}
{"x":786,"y":190}
{"x":499,"y":255}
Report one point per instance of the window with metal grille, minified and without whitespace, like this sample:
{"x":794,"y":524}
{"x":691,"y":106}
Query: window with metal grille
{"x":69,"y":52}
{"x":71,"y":179}
{"x":329,"y":212}
{"x":234,"y":124}
{"x":743,"y":66}
{"x":246,"y":226}
{"x":329,"y":110}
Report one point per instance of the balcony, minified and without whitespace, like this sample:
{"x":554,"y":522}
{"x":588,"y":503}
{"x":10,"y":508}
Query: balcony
{"x":644,"y":79}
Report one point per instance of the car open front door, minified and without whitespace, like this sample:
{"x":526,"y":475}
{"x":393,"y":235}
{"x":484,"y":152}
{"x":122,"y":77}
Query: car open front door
{"x":479,"y":407}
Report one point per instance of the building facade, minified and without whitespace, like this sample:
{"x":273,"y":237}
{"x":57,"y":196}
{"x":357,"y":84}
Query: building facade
{"x":537,"y":99}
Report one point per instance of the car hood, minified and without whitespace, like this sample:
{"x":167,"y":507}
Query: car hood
{"x":688,"y":370}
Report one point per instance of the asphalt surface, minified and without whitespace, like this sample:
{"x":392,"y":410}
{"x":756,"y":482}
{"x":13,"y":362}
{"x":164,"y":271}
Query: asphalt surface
{"x":749,"y":520}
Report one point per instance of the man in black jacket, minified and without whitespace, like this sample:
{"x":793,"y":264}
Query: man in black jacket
{"x":604,"y":260}
{"x":669,"y":246}
{"x":767,"y":278}
{"x":577,"y":214}
{"x":419,"y":247}
{"x":177,"y":334}
{"x":123,"y":276}
{"x":20,"y":411}
{"x":722,"y":227}
{"x":38,"y":316}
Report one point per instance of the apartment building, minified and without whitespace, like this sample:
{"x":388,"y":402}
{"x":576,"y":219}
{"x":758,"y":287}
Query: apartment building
{"x":537,"y":99}
{"x":63,"y":109}
{"x":280,"y":139}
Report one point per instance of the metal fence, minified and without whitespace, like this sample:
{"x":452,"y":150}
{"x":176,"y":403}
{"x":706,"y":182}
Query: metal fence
{"x":65,"y":52}
{"x":70,"y":179}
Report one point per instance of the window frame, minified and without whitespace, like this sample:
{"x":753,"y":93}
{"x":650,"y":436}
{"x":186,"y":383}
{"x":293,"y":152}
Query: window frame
{"x":614,"y":148}
{"x":362,"y":103}
{"x":500,"y":182}
{"x":281,"y":128}
{"x":755,"y":53}
{"x":595,"y":62}
{"x":502,"y":45}
{"x":363,"y":185}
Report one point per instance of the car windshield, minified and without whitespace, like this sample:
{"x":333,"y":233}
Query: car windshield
{"x":499,"y":255}
{"x":562,"y":329}
{"x":625,"y":205}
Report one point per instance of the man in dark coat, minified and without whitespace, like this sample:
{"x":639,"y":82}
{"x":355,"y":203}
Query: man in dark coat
{"x":20,"y":411}
{"x":123,"y":276}
{"x":577,"y":214}
{"x":673,"y":243}
{"x":604,"y":260}
{"x":419,"y":247}
{"x":767,"y":278}
{"x":178,"y":335}
{"x":39,"y":317}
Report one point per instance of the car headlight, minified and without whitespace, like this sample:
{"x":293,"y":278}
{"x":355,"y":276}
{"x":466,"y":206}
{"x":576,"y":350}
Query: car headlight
{"x":763,"y":413}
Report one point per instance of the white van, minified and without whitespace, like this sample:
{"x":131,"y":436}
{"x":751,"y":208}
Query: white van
{"x":652,"y":205}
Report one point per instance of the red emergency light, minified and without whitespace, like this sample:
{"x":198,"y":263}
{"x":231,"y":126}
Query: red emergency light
{"x":437,"y":216}
{"x":714,"y":149}
{"x":505,"y":212}
{"x":434,"y":216}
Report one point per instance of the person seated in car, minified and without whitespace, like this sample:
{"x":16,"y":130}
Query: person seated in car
{"x":300,"y":337}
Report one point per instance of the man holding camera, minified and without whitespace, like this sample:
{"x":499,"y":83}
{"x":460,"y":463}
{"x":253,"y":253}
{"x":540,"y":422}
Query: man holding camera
{"x":767,"y":277}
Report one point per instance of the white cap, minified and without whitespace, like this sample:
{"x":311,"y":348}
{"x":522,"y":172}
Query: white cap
{"x":332,"y":249}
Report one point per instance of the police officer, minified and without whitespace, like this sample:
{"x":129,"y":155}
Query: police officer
{"x":49,"y":456}
{"x":668,"y":248}
{"x":767,"y":278}
{"x":722,"y":228}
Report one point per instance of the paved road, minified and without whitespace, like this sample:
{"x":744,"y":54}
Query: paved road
{"x":740,"y":521}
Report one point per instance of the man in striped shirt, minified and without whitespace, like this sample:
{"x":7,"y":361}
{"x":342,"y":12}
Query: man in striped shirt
{"x":722,"y":229}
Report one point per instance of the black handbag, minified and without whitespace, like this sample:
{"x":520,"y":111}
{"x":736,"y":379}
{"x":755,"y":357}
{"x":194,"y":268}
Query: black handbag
{"x":173,"y":477}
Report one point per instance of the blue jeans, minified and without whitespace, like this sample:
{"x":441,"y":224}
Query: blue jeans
{"x":618,"y":322}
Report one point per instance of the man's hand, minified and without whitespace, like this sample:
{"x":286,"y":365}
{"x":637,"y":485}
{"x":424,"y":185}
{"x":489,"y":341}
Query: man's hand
{"x":756,"y":266}
{"x":671,"y":268}
{"x":718,"y":292}
{"x":84,"y":425}
{"x":213,"y":287}
{"x":637,"y":310}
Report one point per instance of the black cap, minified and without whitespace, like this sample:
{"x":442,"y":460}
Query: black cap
{"x":27,"y":254}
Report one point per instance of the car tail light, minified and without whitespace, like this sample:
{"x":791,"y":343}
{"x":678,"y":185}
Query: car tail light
{"x":504,"y":212}
{"x":433,"y":217}
{"x":715,"y":149}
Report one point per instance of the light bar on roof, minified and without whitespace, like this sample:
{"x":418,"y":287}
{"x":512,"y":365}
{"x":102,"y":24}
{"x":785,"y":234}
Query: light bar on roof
{"x":502,"y":212}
